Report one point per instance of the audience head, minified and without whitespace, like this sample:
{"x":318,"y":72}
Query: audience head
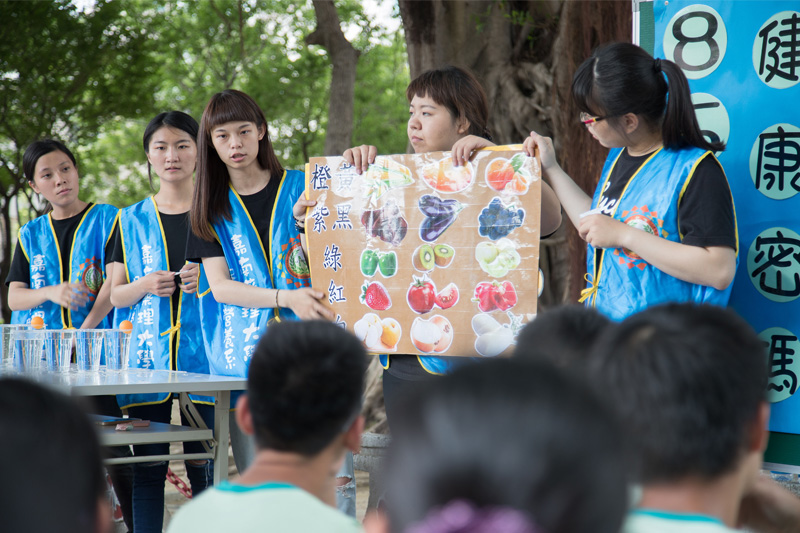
{"x":50,"y":462}
{"x":505,"y":440}
{"x":563,"y":335}
{"x":304,"y":386}
{"x":689,"y":381}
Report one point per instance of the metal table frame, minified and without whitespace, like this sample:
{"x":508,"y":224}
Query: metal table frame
{"x":137,"y":381}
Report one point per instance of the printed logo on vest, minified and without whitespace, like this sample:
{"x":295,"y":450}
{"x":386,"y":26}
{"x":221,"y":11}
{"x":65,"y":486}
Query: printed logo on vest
{"x":295,"y":262}
{"x":645,"y":220}
{"x":91,"y":274}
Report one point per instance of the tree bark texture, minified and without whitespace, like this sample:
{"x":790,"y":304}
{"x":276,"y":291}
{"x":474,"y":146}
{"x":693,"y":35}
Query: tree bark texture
{"x":525,"y":53}
{"x":344,"y":58}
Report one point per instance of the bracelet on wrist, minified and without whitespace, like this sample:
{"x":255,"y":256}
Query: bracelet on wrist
{"x":277,"y":292}
{"x":299,"y":228}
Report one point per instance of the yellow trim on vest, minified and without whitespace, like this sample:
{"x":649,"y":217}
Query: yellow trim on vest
{"x":426,"y":370}
{"x":22,"y":246}
{"x":66,"y":320}
{"x":598,"y":268}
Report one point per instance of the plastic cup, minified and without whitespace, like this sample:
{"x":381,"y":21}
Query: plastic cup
{"x":58,"y":348}
{"x":28,"y":349}
{"x":7,"y":344}
{"x":117,"y":343}
{"x":88,"y":349}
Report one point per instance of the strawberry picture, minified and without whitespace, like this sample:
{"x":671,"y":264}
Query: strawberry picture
{"x":421,"y":295}
{"x":376,"y":297}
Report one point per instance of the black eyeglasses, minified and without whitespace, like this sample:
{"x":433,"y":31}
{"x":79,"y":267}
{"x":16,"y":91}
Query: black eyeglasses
{"x":587,"y":119}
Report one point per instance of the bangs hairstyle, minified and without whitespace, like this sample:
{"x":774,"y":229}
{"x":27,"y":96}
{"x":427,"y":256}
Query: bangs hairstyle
{"x":172,"y":119}
{"x":623,"y":78}
{"x":457,"y":90}
{"x":210,"y":200}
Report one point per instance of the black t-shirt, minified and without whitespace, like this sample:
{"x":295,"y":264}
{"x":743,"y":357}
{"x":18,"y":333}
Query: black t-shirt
{"x":65,"y":233}
{"x":705,"y":214}
{"x":176,"y":230}
{"x":259,"y":205}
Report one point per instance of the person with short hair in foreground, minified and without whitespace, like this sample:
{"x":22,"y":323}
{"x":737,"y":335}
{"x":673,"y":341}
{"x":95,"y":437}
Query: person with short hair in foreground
{"x":690,"y":383}
{"x":508,"y":446}
{"x":303,"y":406}
{"x":52,"y":475}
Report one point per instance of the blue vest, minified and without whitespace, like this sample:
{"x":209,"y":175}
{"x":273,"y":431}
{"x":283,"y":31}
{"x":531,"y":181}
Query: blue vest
{"x":87,"y":264}
{"x":145,"y":251}
{"x":431,"y":365}
{"x":231,"y":332}
{"x":620,"y":282}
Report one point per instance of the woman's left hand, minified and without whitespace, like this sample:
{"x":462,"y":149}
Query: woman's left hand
{"x":463,"y":148}
{"x":189,"y":275}
{"x":299,"y":209}
{"x":602,"y":231}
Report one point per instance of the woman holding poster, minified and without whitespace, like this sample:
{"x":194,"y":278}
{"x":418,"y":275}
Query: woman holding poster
{"x":661,"y":225}
{"x":247,"y":226}
{"x":448,"y":111}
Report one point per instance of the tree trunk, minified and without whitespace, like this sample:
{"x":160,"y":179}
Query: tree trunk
{"x":344,"y":58}
{"x":525,"y":53}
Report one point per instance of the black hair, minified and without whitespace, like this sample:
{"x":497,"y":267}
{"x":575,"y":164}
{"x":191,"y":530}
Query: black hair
{"x":40,"y":148}
{"x":564,"y":335}
{"x":210,"y":199}
{"x":622,"y":78}
{"x":459,"y":91}
{"x":514,"y":434}
{"x":688,"y":380}
{"x":304,"y":385}
{"x":50,"y":461}
{"x":173,"y":119}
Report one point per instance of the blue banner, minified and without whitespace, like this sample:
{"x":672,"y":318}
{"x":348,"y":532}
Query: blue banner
{"x":742,"y":59}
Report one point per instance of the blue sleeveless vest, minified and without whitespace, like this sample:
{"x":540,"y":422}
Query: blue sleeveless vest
{"x":431,"y":365}
{"x":38,"y":242}
{"x":231,"y":332}
{"x":620,"y":282}
{"x":145,"y":251}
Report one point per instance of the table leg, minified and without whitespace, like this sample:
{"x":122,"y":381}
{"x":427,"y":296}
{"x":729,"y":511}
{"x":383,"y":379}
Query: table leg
{"x":222,"y":406}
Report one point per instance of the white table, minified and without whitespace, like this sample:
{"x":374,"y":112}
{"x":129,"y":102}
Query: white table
{"x":137,"y":381}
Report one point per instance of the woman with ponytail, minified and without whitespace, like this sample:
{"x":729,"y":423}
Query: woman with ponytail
{"x":661,"y":176}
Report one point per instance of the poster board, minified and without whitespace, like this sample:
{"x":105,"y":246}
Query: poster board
{"x":741,"y":59}
{"x":416,"y":256}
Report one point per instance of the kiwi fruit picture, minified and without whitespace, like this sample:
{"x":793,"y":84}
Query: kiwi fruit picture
{"x":424,"y":259}
{"x":443,"y":254}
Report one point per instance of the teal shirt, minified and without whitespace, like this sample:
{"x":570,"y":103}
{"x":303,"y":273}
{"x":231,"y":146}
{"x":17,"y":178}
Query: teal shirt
{"x":653,"y":521}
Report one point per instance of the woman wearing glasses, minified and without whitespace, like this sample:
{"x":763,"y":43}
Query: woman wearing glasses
{"x":661,"y":226}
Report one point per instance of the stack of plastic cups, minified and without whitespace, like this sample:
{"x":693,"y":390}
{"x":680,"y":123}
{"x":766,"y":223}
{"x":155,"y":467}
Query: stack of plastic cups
{"x":7,"y":332}
{"x":117,"y":343}
{"x":88,"y":349}
{"x":28,"y":346}
{"x":58,"y":348}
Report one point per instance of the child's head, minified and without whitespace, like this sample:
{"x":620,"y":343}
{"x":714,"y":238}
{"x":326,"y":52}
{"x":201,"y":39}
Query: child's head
{"x":233,"y":134}
{"x":622,"y":78}
{"x":304,"y":386}
{"x":52,"y":171}
{"x":507,"y":435}
{"x":689,"y":382}
{"x":50,"y":459}
{"x":563,"y":335}
{"x":460,"y":99}
{"x":170,"y":135}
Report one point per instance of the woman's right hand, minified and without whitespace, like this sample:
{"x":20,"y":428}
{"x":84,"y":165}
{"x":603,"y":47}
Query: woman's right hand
{"x":547,"y":153}
{"x":306,"y":303}
{"x":73,"y":296}
{"x":159,"y":283}
{"x":361,"y":156}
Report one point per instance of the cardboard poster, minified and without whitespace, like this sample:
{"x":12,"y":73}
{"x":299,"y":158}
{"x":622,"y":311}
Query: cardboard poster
{"x":417,"y":256}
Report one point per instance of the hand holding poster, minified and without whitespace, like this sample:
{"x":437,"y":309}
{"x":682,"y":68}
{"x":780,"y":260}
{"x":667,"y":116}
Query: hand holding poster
{"x":419,"y":256}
